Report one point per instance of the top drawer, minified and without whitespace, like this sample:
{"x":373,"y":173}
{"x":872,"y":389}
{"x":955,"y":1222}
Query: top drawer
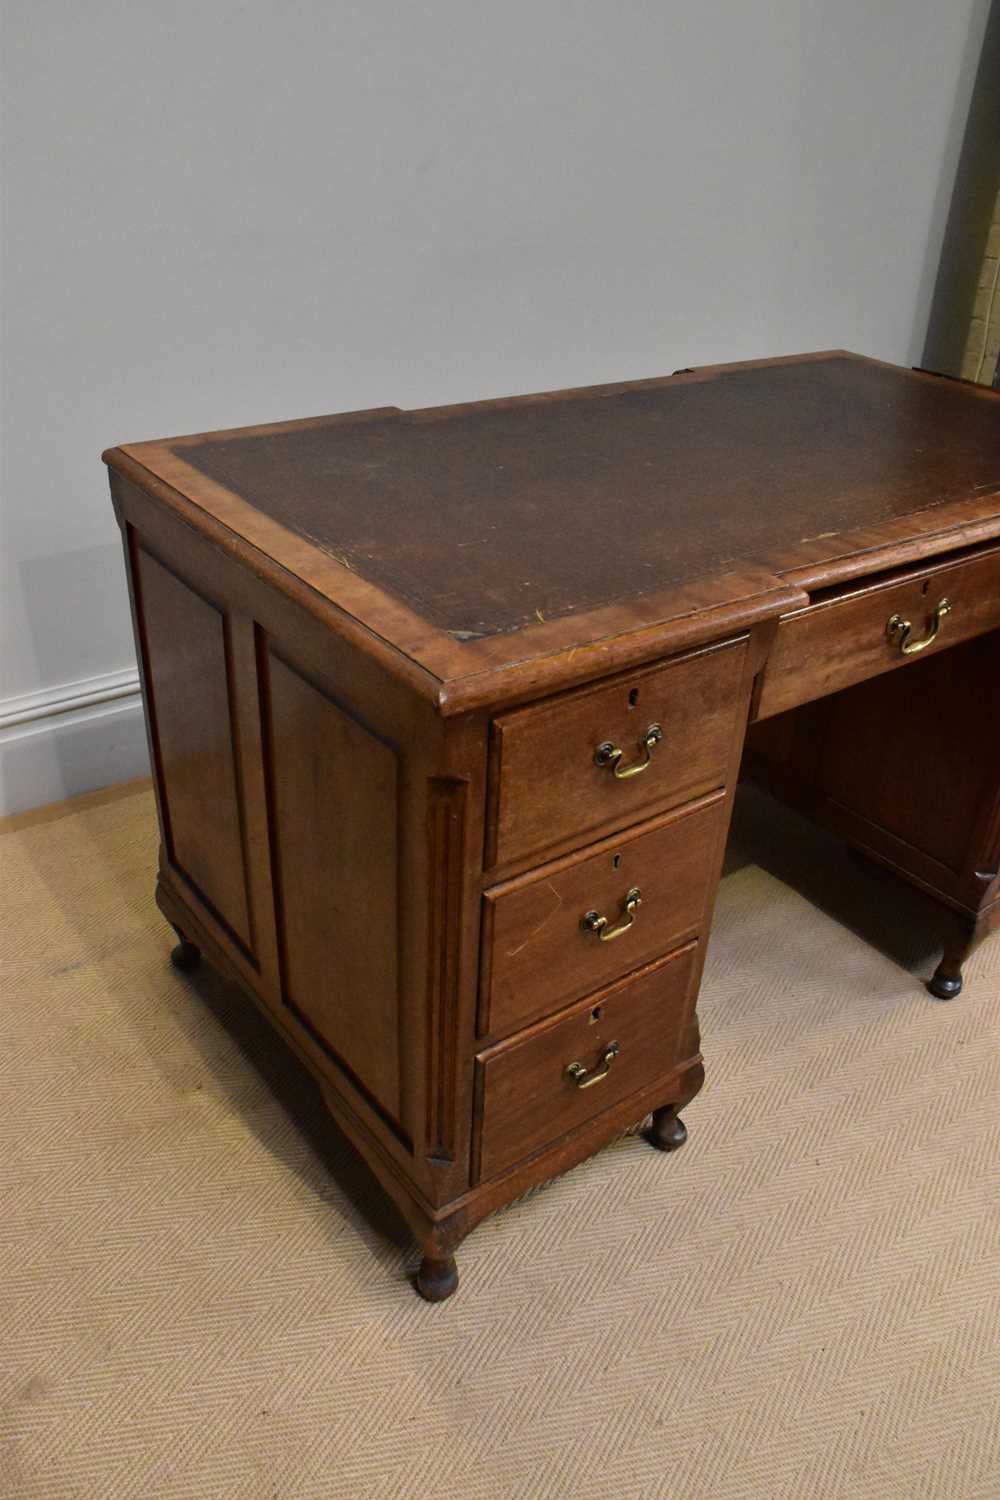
{"x":554,"y":774}
{"x":846,"y":637}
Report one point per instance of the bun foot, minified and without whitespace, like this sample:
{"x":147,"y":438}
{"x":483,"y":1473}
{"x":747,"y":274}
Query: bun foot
{"x":943,"y":985}
{"x":946,"y":981}
{"x":668,"y":1131}
{"x":437,"y":1279}
{"x":186,"y":956}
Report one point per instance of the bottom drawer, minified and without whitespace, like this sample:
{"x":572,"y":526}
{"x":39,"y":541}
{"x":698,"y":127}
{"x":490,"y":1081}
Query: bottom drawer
{"x":630,"y":1034}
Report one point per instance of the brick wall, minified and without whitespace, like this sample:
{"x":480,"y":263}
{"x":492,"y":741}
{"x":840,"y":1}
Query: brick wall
{"x":983,"y":344}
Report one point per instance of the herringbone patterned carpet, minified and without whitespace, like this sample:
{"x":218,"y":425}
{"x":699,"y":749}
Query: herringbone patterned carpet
{"x":803,"y":1302}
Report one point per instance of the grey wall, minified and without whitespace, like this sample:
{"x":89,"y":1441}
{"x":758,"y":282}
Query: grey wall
{"x":973,"y":203}
{"x":231,"y":211}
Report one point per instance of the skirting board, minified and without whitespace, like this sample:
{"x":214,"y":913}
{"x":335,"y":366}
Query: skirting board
{"x":62,"y":741}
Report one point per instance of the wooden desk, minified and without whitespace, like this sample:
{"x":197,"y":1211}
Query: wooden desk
{"x":446,"y":710}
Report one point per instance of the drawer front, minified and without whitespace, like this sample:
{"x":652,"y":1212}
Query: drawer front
{"x":540,"y":952}
{"x":529,"y":1097}
{"x":549,"y":786}
{"x":845,"y":639}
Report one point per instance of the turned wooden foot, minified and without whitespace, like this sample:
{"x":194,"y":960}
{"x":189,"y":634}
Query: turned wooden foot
{"x":946,"y":981}
{"x":668,"y":1131}
{"x":437,"y":1278}
{"x":186,"y":956}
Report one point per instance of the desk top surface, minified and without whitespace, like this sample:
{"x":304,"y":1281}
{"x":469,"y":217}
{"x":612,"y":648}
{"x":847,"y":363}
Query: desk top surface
{"x":602,"y":508}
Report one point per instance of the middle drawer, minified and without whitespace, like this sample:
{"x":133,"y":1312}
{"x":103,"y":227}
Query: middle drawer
{"x":576,"y":924}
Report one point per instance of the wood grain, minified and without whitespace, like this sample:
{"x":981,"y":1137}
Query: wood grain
{"x":333,"y":790}
{"x":841,"y":638}
{"x":547,"y":784}
{"x":905,"y":767}
{"x":538,"y":956}
{"x":183,"y":639}
{"x":528,"y":1099}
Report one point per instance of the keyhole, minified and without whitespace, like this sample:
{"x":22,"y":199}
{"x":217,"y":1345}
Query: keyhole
{"x":633,"y":697}
{"x":595,"y":1014}
{"x":616,"y":863}
{"x":926,"y":587}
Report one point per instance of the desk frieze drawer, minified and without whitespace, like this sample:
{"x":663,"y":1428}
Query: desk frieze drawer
{"x":560,"y":932}
{"x":862,"y":631}
{"x":606,"y":756}
{"x":555,"y":1076}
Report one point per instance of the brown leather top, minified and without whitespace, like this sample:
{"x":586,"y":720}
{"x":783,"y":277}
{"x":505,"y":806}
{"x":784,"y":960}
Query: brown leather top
{"x":487,"y":517}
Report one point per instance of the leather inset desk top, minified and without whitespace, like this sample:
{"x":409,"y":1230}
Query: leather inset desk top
{"x":485,"y":518}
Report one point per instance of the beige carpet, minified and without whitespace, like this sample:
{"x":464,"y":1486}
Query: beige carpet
{"x":803,"y":1302}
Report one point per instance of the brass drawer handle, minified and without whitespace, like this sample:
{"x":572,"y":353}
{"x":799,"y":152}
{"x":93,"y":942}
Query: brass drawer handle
{"x":611,"y":755}
{"x":593,"y":922}
{"x":898,"y":630}
{"x":585,"y":1080}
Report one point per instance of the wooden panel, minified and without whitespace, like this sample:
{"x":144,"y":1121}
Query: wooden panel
{"x":529,"y":1100}
{"x":446,"y":833}
{"x":185,"y":653}
{"x":549,"y":787}
{"x":332,"y":788}
{"x":843,"y":640}
{"x":538,"y":956}
{"x":919,"y":754}
{"x":904,"y":766}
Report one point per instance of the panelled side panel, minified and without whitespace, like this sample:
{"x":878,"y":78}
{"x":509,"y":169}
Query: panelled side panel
{"x":361,"y":815}
{"x":183,"y":638}
{"x":905,"y":765}
{"x":916,"y":752}
{"x":334,"y":798}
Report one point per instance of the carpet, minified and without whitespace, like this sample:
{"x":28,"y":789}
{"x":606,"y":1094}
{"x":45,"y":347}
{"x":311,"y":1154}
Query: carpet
{"x":204,"y":1294}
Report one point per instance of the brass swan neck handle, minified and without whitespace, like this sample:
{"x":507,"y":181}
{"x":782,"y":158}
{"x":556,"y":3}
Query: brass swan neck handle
{"x":610,"y":755}
{"x":592,"y":921}
{"x":585,"y":1079}
{"x":900,"y":631}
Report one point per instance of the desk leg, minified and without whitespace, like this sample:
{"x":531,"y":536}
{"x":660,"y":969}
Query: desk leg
{"x":946,"y":981}
{"x":668,"y":1131}
{"x":186,"y":956}
{"x":437,"y":1278}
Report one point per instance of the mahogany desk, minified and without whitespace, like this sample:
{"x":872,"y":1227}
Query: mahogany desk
{"x":446,"y":709}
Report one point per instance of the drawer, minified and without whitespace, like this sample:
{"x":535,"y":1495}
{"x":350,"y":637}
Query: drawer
{"x":538,"y":954}
{"x":551,"y":785}
{"x":529,"y":1099}
{"x":844,"y":638}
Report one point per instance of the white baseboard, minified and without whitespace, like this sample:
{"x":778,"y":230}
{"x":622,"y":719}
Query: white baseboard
{"x":78,"y":737}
